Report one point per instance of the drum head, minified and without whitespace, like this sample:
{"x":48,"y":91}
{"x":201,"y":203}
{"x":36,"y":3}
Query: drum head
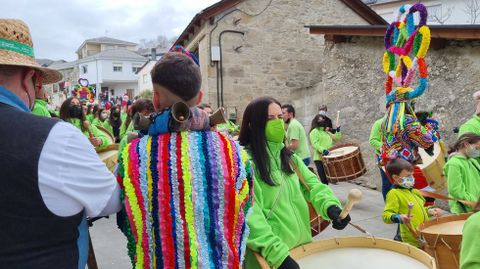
{"x":361,"y":253}
{"x":341,"y":151}
{"x":427,"y":159}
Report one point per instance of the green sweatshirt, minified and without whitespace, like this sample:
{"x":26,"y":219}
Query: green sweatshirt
{"x":463,"y":178}
{"x":321,"y":141}
{"x":40,"y":108}
{"x":471,"y":126}
{"x":105,"y":124}
{"x":124,"y":130}
{"x":376,"y":135}
{"x":397,"y":203}
{"x":90,"y":117}
{"x":470,"y":249}
{"x":280,"y":218}
{"x":296,"y":131}
{"x":95,"y":131}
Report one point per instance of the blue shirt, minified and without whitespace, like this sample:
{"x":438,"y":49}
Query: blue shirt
{"x":9,"y":98}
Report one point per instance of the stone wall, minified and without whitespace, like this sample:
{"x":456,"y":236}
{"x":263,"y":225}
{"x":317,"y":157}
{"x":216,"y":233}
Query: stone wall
{"x":278,"y":57}
{"x":275,"y":55}
{"x":352,"y":81}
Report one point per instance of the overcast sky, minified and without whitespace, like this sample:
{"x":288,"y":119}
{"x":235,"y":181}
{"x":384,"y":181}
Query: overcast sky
{"x":59,"y":27}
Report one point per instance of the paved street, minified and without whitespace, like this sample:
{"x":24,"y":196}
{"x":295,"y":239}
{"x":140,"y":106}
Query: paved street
{"x":110,"y":244}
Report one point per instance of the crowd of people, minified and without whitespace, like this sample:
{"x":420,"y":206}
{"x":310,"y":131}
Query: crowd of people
{"x":187,"y":198}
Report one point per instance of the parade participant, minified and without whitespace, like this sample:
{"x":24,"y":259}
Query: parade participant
{"x":72,"y":111}
{"x":470,"y":248}
{"x":321,"y":141}
{"x":296,"y":136}
{"x":115,"y":122}
{"x":402,"y":193}
{"x":51,"y":176}
{"x":41,"y":101}
{"x":462,"y":171}
{"x":101,"y":118}
{"x":142,"y":106}
{"x":187,"y":195}
{"x":322,"y":110}
{"x":127,"y":125}
{"x":376,"y":142}
{"x":280,"y":218}
{"x":473,"y":124}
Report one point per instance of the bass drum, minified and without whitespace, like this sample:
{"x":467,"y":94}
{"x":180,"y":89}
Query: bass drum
{"x":109,"y":156}
{"x":358,"y":253}
{"x":432,"y":167}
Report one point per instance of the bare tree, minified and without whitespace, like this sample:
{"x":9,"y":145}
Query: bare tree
{"x":437,"y":14}
{"x":472,"y":8}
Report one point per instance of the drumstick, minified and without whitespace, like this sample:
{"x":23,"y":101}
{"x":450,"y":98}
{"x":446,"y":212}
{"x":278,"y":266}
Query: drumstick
{"x":338,"y":118}
{"x":354,"y":196}
{"x":443,"y":197}
{"x":409,"y":225}
{"x":358,"y":227}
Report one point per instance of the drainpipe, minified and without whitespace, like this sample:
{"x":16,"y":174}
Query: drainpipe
{"x":221,"y":60}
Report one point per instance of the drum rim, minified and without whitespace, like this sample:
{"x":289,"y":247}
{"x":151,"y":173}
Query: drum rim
{"x":364,"y":242}
{"x":435,"y":221}
{"x":342,"y":156}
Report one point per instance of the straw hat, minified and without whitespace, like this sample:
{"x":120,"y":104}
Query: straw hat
{"x":16,"y":48}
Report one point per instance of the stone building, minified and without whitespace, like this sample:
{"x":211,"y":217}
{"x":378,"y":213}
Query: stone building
{"x":256,"y":48}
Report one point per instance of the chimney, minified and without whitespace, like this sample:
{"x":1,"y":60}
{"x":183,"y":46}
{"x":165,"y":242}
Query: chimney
{"x":153,"y":54}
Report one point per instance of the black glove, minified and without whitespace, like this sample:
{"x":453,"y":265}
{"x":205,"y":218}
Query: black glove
{"x":289,"y":263}
{"x":333,"y":213}
{"x":429,"y":151}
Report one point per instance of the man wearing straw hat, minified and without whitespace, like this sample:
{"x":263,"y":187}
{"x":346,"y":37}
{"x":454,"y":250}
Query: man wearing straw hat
{"x":51,"y":176}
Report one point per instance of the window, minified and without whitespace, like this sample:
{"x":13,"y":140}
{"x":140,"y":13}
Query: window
{"x":135,"y":69}
{"x":117,"y":68}
{"x":84,"y":69}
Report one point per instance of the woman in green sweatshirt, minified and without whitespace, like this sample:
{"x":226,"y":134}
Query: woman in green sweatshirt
{"x":280,"y":218}
{"x":463,"y":172}
{"x":71,"y":111}
{"x":470,"y":249}
{"x":322,"y":140}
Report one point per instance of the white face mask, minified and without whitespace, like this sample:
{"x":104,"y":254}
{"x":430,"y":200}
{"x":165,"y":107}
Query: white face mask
{"x":472,"y":152}
{"x":322,"y":112}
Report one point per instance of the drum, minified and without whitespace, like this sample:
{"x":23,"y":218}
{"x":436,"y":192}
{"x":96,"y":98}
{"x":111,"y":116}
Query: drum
{"x":443,"y":237}
{"x":359,"y":253}
{"x":109,"y":156}
{"x":432,"y":167}
{"x":110,"y":136}
{"x":344,"y":163}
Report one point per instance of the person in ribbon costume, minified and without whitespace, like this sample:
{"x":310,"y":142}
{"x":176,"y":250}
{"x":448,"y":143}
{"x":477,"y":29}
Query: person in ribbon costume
{"x":187,"y":195}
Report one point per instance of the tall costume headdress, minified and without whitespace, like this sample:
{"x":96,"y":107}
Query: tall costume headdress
{"x":403,"y":133}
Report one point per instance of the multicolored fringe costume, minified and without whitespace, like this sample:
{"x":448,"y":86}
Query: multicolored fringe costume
{"x":187,"y":197}
{"x":403,"y":134}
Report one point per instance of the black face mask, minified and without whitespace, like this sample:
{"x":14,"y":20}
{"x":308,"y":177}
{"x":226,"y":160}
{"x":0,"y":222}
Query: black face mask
{"x":75,"y":112}
{"x":116,"y":114}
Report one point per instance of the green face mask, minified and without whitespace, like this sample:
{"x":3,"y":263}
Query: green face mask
{"x":275,"y":131}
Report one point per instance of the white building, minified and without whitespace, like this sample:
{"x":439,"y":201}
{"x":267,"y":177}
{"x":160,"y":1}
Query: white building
{"x":144,"y":78}
{"x":109,"y":64}
{"x":439,"y":11}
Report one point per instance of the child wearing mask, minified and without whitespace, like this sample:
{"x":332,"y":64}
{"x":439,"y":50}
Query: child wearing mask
{"x":463,"y":172}
{"x":402,"y":193}
{"x":322,"y":140}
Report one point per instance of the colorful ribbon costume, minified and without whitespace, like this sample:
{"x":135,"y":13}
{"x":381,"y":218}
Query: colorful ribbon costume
{"x":403,"y":133}
{"x":187,"y":197}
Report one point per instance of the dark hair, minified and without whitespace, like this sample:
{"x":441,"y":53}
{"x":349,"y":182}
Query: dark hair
{"x":289,"y":108}
{"x":395,"y":167}
{"x":469,"y":138}
{"x":252,"y":136}
{"x":178,"y":74}
{"x":65,"y":111}
{"x":95,"y":110}
{"x":422,"y":116}
{"x":316,"y":122}
{"x":140,"y":105}
{"x":99,"y":112}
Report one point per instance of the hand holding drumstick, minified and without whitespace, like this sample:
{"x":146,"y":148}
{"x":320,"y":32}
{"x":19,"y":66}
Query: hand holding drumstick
{"x":340,"y":219}
{"x":94,"y":140}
